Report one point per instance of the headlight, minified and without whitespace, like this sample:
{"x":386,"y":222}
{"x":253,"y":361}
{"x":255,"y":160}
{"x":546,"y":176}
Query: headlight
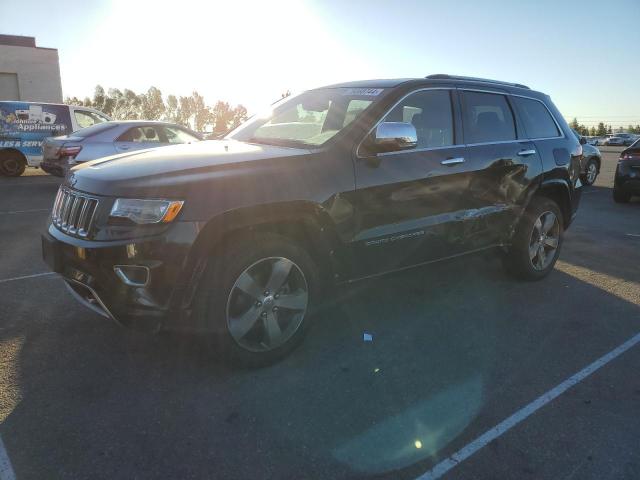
{"x":146,"y":211}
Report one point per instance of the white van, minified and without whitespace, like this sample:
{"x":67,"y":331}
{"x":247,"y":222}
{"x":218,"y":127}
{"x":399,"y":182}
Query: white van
{"x":24,"y":125}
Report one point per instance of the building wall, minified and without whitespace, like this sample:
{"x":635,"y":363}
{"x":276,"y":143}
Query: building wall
{"x":37,"y":70}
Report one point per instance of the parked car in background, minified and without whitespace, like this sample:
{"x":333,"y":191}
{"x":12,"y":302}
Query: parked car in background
{"x":110,"y":138}
{"x":627,"y":138}
{"x":624,"y":139}
{"x":614,"y":141}
{"x":626,"y":182}
{"x":592,"y":140}
{"x":236,"y":238}
{"x":24,"y":126}
{"x":591,"y":161}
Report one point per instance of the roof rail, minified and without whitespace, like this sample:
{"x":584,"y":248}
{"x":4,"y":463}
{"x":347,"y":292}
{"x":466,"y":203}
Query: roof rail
{"x":444,"y":76}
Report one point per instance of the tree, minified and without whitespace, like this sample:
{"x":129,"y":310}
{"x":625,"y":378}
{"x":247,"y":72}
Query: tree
{"x":152,"y":104}
{"x":185,"y":111}
{"x":191,"y":111}
{"x":609,"y":129}
{"x":601,"y":130}
{"x":171,"y":112}
{"x":574,"y":123}
{"x":73,"y":101}
{"x":239,"y":116}
{"x":592,"y":132}
{"x":201,"y":114}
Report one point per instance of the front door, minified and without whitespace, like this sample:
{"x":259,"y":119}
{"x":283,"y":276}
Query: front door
{"x":405,"y":202}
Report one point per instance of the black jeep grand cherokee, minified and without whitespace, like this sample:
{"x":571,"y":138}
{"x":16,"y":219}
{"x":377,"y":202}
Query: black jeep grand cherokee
{"x":236,"y":237}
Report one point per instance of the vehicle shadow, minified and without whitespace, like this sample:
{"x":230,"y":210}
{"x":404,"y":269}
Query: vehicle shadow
{"x":456,"y":347}
{"x":605,"y":235}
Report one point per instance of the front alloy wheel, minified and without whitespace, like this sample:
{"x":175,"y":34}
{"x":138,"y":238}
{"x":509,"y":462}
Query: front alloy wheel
{"x":267,"y":304}
{"x":256,"y":297}
{"x":544,"y":240}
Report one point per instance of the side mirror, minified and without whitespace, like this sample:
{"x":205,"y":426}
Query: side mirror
{"x":583,"y":140}
{"x":395,"y":136}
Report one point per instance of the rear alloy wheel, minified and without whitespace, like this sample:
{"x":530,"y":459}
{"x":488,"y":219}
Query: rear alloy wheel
{"x":537,"y":241}
{"x":12,"y":164}
{"x":544,"y":241}
{"x":591,"y":173}
{"x":256,"y":297}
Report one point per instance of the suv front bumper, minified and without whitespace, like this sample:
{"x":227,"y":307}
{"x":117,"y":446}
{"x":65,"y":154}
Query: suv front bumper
{"x":89,"y":271}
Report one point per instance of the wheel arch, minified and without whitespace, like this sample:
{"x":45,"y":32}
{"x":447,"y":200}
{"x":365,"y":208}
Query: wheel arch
{"x":559,"y":191}
{"x":306,"y":222}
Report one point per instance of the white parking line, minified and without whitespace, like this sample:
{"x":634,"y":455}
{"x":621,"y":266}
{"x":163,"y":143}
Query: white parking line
{"x":6,"y":470}
{"x":465,"y":452}
{"x":25,"y":211}
{"x":633,"y":234}
{"x":44,"y":274}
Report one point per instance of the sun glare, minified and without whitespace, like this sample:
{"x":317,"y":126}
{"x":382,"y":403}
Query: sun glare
{"x":245,"y":52}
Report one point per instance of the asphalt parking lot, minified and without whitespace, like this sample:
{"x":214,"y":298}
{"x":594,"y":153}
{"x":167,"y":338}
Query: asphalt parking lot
{"x":457,"y":348}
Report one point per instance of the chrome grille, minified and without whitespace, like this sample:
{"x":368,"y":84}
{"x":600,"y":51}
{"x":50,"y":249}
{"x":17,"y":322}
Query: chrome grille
{"x":73,"y":212}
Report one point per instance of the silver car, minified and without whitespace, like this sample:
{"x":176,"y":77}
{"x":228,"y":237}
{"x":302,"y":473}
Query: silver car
{"x":614,"y":140}
{"x":109,"y":138}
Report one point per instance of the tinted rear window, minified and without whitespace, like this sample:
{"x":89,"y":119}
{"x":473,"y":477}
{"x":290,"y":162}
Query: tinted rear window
{"x":93,"y":130}
{"x":537,"y":120}
{"x":487,"y":118}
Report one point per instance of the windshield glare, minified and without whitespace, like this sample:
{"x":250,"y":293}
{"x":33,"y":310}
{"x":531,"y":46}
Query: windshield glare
{"x":310,"y":119}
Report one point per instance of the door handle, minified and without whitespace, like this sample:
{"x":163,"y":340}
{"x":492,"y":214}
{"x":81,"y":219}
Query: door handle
{"x":526,"y":153}
{"x":452,"y":161}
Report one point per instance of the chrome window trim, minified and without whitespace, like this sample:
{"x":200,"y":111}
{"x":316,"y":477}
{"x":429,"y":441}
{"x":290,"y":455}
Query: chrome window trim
{"x":499,"y":142}
{"x":456,"y":145}
{"x":424,"y":149}
{"x":383,"y":154}
{"x":550,"y":113}
{"x":562,"y":135}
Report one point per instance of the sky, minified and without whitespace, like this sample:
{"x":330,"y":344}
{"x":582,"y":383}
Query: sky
{"x":583,"y":53}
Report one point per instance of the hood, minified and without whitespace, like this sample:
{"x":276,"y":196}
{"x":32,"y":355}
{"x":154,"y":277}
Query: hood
{"x":171,"y":168}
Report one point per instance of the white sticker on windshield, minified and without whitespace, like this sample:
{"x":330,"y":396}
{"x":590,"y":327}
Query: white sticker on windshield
{"x":367,"y":92}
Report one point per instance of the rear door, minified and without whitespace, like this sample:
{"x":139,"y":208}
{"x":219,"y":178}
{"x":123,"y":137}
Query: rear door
{"x":502,"y":165}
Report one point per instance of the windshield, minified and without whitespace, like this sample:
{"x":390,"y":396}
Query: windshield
{"x":308,"y":120}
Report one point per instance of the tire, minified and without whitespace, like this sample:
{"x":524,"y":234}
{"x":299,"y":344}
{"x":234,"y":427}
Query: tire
{"x":540,"y":225}
{"x":246,"y":324}
{"x":591,"y":173}
{"x":12,"y":164}
{"x":620,"y":197}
